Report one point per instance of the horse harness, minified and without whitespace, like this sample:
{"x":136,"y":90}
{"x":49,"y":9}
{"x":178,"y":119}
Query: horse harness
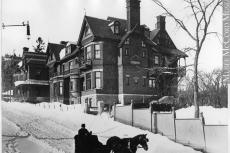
{"x":129,"y":146}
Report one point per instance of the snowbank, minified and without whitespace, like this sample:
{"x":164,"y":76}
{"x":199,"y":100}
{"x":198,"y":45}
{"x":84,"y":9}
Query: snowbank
{"x":212,"y":116}
{"x":56,"y":127}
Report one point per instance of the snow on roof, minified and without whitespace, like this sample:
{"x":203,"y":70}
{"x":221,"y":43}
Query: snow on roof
{"x":62,"y":53}
{"x":71,"y":43}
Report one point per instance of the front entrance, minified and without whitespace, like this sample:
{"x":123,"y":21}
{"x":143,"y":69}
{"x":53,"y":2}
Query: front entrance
{"x":66,"y":90}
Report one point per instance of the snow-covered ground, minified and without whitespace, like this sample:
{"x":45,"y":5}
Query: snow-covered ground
{"x":212,"y":116}
{"x":49,"y":128}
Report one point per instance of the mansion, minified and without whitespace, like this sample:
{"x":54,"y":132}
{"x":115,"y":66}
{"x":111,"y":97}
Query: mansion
{"x":113,"y":61}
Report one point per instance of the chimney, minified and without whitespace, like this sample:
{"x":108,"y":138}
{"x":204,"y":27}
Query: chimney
{"x":160,"y":22}
{"x":133,"y":13}
{"x":25,"y":49}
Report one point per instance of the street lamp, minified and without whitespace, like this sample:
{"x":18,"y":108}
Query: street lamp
{"x":23,"y":24}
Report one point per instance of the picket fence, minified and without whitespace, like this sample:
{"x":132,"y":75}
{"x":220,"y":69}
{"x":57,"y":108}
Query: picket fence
{"x":191,"y":131}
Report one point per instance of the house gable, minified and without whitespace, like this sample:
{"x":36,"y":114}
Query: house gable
{"x":162,"y":38}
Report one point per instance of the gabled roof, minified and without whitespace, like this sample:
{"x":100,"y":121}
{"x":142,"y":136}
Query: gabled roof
{"x":153,"y":33}
{"x":100,"y":27}
{"x":69,"y":56}
{"x":165,"y":50}
{"x":55,"y":49}
{"x":172,"y":51}
{"x":126,"y":36}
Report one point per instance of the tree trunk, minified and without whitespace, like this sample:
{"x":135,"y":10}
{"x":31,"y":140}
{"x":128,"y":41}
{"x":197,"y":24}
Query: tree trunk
{"x":195,"y":98}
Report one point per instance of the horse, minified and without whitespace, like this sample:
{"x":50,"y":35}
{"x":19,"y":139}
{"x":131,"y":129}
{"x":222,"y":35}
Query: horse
{"x":127,"y":145}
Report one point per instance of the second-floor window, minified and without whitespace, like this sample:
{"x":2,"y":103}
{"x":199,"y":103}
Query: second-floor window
{"x":127,"y":41}
{"x":127,"y":79}
{"x":88,"y":81}
{"x":88,"y":53}
{"x":126,"y":51}
{"x":152,"y":83}
{"x":156,"y":60}
{"x":71,"y":85}
{"x":143,"y":44}
{"x":97,"y":51}
{"x":144,"y":81}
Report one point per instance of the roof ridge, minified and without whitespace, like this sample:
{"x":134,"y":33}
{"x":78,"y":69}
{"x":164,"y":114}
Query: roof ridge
{"x":116,"y":18}
{"x":95,"y":18}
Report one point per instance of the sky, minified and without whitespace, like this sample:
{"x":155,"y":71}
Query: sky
{"x":57,"y":20}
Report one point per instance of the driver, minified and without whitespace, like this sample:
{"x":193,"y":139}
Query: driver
{"x":83,"y":131}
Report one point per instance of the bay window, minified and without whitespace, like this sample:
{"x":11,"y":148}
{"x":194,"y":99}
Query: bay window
{"x":98,"y":79}
{"x":88,"y":53}
{"x":97,"y":49}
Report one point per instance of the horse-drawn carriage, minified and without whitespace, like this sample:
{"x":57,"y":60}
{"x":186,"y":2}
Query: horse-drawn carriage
{"x":91,"y":144}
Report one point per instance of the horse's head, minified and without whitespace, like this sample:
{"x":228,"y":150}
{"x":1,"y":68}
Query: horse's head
{"x":143,"y":141}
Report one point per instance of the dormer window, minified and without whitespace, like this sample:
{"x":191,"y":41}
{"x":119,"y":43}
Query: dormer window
{"x":68,"y":50}
{"x":115,"y":27}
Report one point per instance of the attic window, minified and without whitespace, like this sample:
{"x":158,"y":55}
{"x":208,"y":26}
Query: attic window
{"x":87,"y":31}
{"x":53,"y":57}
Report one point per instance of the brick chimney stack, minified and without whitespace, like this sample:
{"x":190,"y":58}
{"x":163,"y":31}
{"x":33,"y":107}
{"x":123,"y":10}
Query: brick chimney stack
{"x":133,"y":13}
{"x":25,"y":49}
{"x":160,"y":22}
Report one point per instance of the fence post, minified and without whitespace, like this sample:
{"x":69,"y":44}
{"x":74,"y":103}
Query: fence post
{"x":100,"y":107}
{"x":174,"y":121}
{"x":155,"y":123}
{"x":151,"y":117}
{"x":203,"y":123}
{"x":86,"y":108}
{"x":114,"y":111}
{"x":132,"y":112}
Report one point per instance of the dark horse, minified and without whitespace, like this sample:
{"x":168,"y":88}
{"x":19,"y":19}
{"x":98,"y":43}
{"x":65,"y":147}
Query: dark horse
{"x":127,"y":145}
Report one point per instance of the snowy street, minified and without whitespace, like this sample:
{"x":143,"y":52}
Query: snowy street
{"x":30,"y":128}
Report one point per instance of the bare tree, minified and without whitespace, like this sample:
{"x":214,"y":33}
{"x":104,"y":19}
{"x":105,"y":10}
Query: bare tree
{"x":212,"y":88}
{"x":40,"y":45}
{"x":202,"y":14}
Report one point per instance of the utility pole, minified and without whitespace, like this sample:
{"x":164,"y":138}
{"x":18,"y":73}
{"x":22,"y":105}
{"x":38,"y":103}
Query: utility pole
{"x":17,"y":25}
